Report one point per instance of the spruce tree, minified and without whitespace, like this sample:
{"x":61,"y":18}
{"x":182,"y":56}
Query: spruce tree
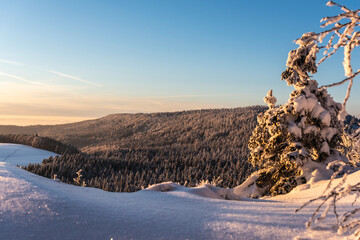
{"x":291,"y":141}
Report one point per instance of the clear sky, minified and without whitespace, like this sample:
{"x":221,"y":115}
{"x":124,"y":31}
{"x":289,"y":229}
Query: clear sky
{"x":64,"y":61}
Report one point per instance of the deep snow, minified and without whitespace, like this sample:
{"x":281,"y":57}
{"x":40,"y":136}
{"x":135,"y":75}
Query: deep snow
{"x":33,"y":207}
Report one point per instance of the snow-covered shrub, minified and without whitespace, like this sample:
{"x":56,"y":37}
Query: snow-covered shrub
{"x":306,"y":133}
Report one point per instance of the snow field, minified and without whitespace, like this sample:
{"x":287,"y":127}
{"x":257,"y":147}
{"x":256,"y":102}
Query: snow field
{"x":33,"y":207}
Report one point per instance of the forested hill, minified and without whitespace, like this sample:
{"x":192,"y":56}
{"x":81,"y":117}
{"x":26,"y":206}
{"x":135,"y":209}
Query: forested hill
{"x":126,"y":152}
{"x":230,"y":127}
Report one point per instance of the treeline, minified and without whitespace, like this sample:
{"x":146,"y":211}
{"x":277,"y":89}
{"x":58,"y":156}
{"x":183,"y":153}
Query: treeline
{"x":35,"y":141}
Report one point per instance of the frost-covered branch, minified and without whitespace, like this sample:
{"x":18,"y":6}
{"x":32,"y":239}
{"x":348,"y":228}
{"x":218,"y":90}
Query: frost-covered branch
{"x":341,"y":82}
{"x":348,"y":221}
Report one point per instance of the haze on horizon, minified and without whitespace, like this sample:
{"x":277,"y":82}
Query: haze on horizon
{"x":66,"y":61}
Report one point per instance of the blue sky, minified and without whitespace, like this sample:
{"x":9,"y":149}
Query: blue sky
{"x":67,"y":60}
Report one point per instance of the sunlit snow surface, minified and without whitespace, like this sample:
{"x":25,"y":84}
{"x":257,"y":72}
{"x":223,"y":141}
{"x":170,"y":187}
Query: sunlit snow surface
{"x":33,"y":207}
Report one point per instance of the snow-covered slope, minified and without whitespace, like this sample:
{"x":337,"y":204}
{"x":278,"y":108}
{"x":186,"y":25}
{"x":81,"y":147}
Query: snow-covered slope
{"x":33,"y":207}
{"x":22,"y":155}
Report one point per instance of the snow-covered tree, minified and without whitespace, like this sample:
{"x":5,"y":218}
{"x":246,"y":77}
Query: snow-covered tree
{"x":306,"y":133}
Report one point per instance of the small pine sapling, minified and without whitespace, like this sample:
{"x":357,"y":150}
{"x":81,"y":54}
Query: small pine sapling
{"x":78,"y":180}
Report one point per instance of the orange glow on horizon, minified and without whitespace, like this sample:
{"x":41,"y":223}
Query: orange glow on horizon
{"x":25,"y":120}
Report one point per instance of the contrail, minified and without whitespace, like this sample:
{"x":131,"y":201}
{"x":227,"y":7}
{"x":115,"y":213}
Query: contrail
{"x":11,"y":62}
{"x":19,"y":78}
{"x":47,"y":70}
{"x":75,"y":78}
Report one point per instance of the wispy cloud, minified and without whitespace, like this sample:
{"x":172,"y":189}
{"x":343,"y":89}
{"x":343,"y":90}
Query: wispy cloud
{"x":47,"y":70}
{"x":18,"y":78}
{"x":11,"y":62}
{"x":75,"y":78}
